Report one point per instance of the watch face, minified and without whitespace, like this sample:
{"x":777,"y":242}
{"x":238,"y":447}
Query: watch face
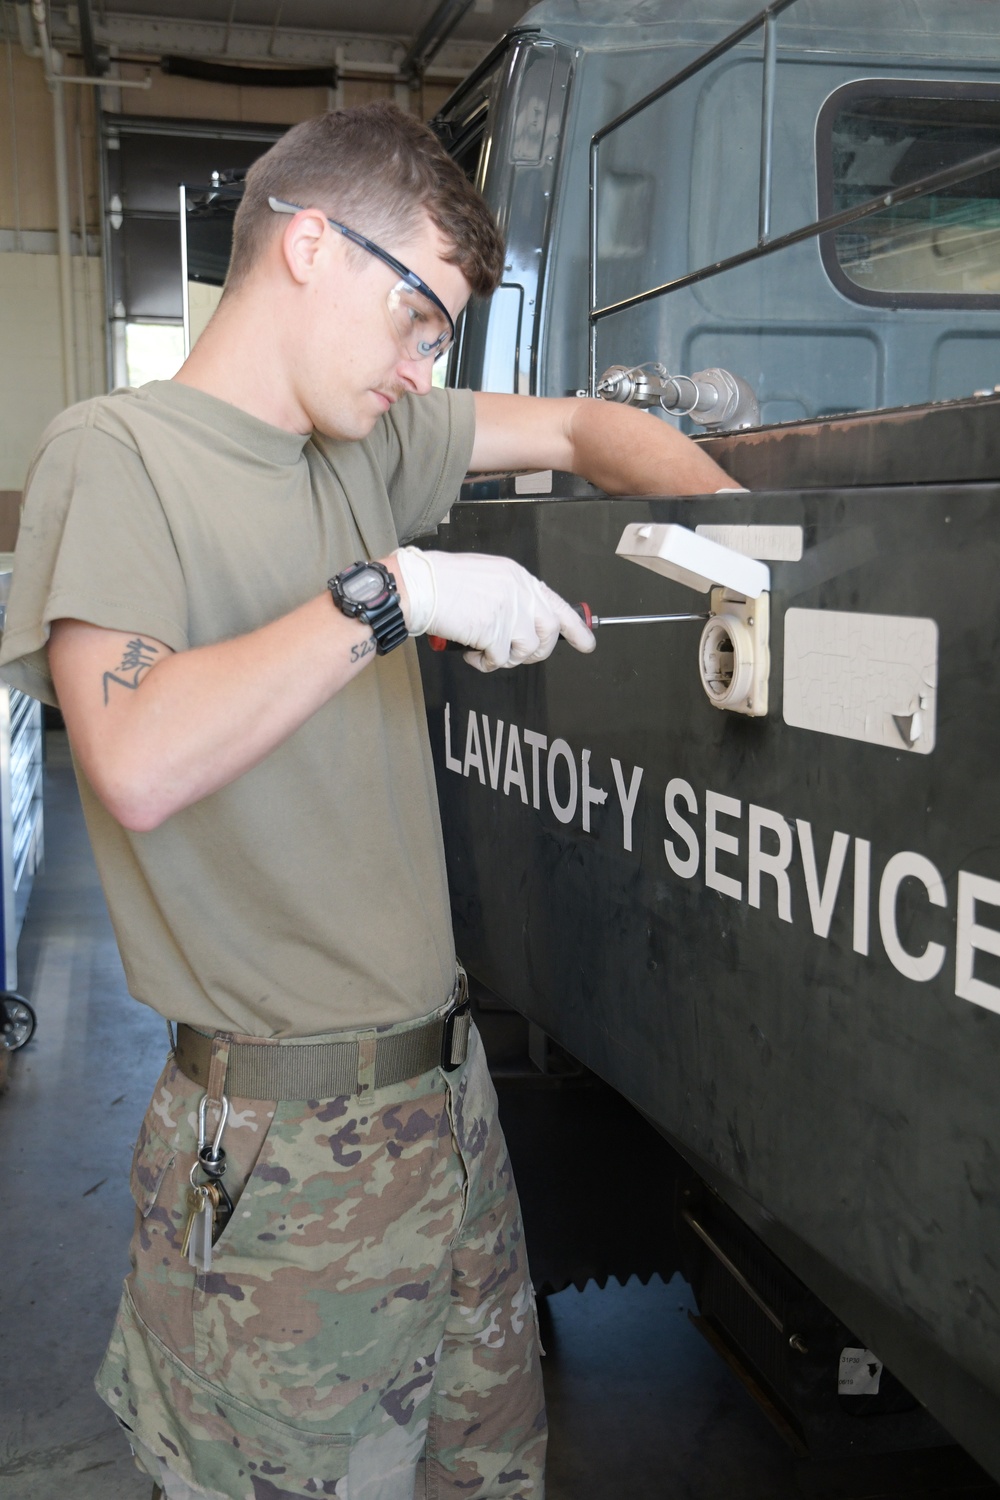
{"x":364,"y":586}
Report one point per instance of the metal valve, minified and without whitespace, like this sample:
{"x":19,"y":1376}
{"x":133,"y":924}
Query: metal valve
{"x":714,"y":398}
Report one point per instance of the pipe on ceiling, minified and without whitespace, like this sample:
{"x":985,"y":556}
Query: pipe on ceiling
{"x":432,"y":38}
{"x":52,"y":63}
{"x":25,"y":30}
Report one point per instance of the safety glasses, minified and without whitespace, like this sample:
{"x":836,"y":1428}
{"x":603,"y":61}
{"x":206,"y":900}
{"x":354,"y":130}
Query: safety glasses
{"x":423,"y":324}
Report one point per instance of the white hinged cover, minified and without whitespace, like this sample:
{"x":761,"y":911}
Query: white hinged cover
{"x":678,"y":553}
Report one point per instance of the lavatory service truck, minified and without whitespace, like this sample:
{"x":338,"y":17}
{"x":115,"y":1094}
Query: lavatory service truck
{"x":745,"y":870}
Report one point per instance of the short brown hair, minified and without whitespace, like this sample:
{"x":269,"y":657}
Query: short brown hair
{"x":377,"y":169}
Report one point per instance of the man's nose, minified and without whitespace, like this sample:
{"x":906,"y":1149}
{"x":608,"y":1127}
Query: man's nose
{"x":416,"y":374}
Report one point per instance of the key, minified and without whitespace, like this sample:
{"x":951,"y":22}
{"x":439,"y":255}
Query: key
{"x":203,"y":1229}
{"x":196,"y":1203}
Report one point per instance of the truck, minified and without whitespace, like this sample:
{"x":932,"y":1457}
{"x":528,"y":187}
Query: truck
{"x":733,"y":882}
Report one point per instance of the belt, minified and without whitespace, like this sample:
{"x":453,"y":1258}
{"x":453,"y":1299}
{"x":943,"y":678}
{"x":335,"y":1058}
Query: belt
{"x":291,"y":1068}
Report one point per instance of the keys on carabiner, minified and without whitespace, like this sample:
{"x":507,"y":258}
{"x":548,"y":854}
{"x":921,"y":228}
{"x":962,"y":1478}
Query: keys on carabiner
{"x":209,"y":1205}
{"x":200,"y":1233}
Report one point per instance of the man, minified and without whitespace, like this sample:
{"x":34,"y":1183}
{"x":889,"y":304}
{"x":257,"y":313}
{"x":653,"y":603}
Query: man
{"x":328,"y":1282}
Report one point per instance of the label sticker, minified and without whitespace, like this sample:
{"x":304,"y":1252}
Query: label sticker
{"x":865,"y":677}
{"x":860,"y":1373}
{"x":538,"y":483}
{"x":766,"y":543}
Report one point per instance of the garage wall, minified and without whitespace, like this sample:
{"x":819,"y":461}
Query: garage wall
{"x":31,"y":370}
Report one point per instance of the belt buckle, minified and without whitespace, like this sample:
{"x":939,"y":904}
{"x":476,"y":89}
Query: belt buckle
{"x":457,"y":1026}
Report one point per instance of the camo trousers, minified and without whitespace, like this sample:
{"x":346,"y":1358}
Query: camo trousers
{"x":368,"y":1303}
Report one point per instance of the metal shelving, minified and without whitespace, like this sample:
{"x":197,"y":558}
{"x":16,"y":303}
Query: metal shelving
{"x":21,"y":810}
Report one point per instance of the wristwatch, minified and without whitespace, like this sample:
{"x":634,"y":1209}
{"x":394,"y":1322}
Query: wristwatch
{"x":367,"y":591}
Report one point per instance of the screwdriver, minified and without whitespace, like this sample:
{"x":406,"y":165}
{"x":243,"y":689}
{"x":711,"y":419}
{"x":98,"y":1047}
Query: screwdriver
{"x":592,"y":621}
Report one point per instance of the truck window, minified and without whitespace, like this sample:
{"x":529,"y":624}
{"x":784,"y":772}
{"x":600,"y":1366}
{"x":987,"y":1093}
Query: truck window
{"x":936,"y":250}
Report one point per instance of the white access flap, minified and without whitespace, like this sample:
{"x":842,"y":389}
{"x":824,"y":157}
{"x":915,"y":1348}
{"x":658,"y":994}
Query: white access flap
{"x":701,"y":564}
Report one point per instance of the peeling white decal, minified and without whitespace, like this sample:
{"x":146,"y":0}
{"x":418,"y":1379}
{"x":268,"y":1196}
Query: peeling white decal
{"x":863,"y":677}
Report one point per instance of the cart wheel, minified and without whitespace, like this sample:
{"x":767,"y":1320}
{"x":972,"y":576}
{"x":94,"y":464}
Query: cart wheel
{"x":17,"y":1022}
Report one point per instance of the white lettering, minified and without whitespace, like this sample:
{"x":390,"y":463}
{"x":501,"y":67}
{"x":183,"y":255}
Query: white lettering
{"x":452,"y":762}
{"x":775,"y":865}
{"x":559,"y":749}
{"x":862,"y":893}
{"x":473,"y":749}
{"x":921,"y":966}
{"x":493,"y":750}
{"x":687,"y":866}
{"x":593,"y":796}
{"x":822,"y":902}
{"x":513,"y":771}
{"x":538,"y":743}
{"x":970,"y":936}
{"x":720,"y":843}
{"x":627,"y":798}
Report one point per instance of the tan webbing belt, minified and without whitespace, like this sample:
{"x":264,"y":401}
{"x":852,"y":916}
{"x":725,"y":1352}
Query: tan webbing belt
{"x":266,"y":1068}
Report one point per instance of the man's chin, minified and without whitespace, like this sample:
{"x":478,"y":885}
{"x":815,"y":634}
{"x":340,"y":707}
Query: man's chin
{"x":345,"y":427}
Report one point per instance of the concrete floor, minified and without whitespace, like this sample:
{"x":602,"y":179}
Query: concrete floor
{"x":640,"y":1406}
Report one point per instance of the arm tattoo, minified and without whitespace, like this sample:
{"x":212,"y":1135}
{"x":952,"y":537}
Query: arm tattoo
{"x":363,"y":648}
{"x":137,"y":658}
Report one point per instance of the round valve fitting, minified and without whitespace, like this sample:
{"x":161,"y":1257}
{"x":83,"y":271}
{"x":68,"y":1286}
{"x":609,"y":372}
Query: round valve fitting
{"x":725,"y":660}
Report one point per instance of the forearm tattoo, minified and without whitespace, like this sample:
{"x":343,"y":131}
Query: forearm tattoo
{"x":363,"y":648}
{"x":137,"y":658}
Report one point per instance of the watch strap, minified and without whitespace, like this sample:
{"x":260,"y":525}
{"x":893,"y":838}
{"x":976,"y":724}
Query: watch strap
{"x":387,"y":623}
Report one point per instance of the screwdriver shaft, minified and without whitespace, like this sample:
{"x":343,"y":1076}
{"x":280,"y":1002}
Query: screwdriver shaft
{"x":642,"y":619}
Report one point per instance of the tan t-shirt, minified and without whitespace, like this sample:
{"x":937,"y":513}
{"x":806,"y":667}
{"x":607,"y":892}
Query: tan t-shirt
{"x":310,"y":893}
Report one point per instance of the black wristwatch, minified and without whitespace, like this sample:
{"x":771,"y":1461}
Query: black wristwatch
{"x":367,"y":591}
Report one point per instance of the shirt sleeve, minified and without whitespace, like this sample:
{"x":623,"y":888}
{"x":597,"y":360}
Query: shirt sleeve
{"x":94,"y":545}
{"x":426,"y":446}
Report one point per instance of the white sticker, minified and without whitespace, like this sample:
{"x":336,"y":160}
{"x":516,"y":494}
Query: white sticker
{"x":766,"y":543}
{"x":860,"y":1373}
{"x":538,"y":483}
{"x":864,"y":677}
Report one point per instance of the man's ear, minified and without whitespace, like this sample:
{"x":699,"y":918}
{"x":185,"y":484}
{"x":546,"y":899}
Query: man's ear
{"x":301,"y":244}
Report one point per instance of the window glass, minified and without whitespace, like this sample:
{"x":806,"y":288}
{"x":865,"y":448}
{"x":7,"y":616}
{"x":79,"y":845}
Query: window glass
{"x":940,"y":245}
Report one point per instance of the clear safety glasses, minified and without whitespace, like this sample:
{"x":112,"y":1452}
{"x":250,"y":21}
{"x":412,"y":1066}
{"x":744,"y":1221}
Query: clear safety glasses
{"x":422,"y":322}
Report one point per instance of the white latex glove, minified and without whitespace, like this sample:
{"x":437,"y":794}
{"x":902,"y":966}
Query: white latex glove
{"x":491,"y":604}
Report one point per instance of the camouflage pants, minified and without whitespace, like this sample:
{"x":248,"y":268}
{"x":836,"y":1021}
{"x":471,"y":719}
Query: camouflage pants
{"x":368,"y":1303}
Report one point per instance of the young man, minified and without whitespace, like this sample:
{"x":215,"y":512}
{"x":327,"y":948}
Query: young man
{"x":328,"y":1280}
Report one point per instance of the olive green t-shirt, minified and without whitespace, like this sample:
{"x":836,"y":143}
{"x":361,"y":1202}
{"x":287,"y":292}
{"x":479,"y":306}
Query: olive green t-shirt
{"x":310,"y":893}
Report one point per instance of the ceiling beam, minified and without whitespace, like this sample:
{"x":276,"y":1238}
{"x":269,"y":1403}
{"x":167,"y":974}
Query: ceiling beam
{"x":155,"y":37}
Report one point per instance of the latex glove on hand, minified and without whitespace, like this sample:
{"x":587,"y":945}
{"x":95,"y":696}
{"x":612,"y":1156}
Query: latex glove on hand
{"x":505,"y":615}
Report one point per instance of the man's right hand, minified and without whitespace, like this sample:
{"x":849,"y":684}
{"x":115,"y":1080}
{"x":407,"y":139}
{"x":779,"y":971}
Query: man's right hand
{"x":503,"y":613}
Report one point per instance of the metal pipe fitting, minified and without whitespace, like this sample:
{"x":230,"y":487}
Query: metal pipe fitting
{"x":714,"y":398}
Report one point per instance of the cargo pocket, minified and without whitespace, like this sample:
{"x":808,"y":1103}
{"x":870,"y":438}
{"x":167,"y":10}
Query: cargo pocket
{"x":160,"y":1282}
{"x":151,"y":1160}
{"x":205,"y":1435}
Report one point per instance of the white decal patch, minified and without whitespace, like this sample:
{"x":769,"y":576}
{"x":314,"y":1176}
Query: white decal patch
{"x":538,"y":483}
{"x":864,"y":677}
{"x":766,"y":543}
{"x":860,"y":1373}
